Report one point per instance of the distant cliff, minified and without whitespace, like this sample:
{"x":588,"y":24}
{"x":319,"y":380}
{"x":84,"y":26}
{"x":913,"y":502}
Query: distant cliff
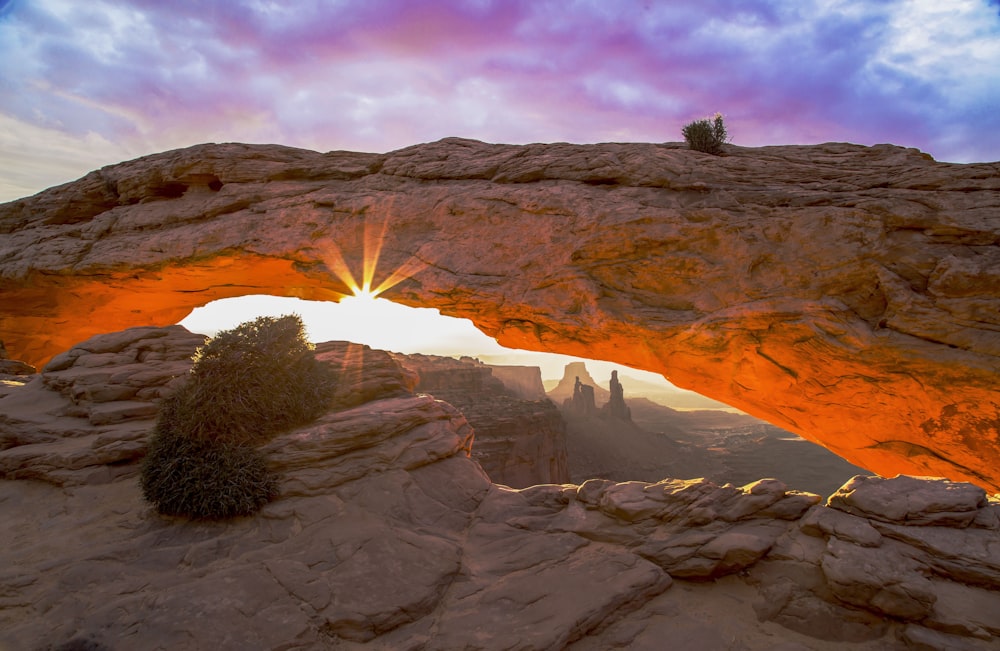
{"x":518,"y":442}
{"x":523,"y":381}
{"x":633,"y":438}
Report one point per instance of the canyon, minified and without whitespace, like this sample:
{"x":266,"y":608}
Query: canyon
{"x":387,"y":534}
{"x":656,"y":441}
{"x":849,"y":294}
{"x":520,"y":436}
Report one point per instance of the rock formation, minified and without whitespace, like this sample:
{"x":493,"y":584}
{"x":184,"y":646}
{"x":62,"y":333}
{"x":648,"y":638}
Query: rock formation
{"x":519,"y":442}
{"x":523,"y":381}
{"x":850,"y":294}
{"x":616,"y":407}
{"x":575,"y":374}
{"x":582,"y":404}
{"x":387,"y":535}
{"x":87,"y":416}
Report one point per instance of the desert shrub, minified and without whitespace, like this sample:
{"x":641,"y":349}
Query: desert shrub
{"x":246,"y":385}
{"x":253,"y":381}
{"x":706,"y":135}
{"x":205,"y":479}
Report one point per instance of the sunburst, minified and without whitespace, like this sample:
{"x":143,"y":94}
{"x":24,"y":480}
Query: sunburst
{"x":372,"y":241}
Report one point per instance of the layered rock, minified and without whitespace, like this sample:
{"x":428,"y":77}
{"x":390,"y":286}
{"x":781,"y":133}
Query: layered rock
{"x":519,"y":442}
{"x":916,"y":551}
{"x":574,"y":374}
{"x":386,"y":534}
{"x":846,"y":293}
{"x":523,"y":381}
{"x":13,"y":370}
{"x":87,"y":415}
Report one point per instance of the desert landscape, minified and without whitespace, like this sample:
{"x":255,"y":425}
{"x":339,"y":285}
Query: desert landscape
{"x":499,"y":325}
{"x":443,"y":503}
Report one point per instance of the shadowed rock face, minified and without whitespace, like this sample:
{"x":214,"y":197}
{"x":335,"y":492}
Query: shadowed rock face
{"x":846,"y":293}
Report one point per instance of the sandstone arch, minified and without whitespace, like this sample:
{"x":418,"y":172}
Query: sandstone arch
{"x":850,"y":294}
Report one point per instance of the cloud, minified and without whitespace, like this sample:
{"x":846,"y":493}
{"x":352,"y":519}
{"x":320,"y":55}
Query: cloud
{"x":34,"y":158}
{"x":382,"y":74}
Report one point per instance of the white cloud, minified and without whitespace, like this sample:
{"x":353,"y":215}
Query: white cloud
{"x":34,"y":158}
{"x":955,"y":44}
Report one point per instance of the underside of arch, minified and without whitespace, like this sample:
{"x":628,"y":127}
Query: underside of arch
{"x":849,"y":294}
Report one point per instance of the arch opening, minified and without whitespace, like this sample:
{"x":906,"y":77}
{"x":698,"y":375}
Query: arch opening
{"x":367,"y":318}
{"x":668,"y":431}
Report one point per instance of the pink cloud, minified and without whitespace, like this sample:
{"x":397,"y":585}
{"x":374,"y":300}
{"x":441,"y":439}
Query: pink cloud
{"x":383,"y":74}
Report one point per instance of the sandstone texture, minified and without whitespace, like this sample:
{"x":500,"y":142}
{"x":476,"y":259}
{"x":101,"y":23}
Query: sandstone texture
{"x":388,"y":535}
{"x":87,"y":415}
{"x":519,"y":442}
{"x":850,"y":294}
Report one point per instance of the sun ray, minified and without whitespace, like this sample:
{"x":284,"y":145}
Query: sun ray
{"x":408,"y":269}
{"x":373,"y":237}
{"x":334,"y":261}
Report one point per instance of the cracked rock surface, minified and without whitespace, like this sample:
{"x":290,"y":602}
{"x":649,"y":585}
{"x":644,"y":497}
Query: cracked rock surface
{"x":388,"y":535}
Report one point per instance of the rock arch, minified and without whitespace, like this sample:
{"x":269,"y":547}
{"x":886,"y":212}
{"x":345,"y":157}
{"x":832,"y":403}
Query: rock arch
{"x":850,"y":294}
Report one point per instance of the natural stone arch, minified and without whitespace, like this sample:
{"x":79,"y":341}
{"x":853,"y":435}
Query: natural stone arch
{"x":849,"y":294}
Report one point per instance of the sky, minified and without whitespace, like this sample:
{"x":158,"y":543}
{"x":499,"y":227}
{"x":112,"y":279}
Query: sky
{"x":377,"y":323}
{"x":87,"y":84}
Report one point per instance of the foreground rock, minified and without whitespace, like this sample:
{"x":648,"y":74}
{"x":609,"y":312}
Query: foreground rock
{"x":87,"y":416}
{"x":849,"y":294}
{"x":387,"y":535}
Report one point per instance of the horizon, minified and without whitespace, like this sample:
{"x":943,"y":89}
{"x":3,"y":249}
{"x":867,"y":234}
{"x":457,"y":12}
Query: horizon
{"x":371,"y":321}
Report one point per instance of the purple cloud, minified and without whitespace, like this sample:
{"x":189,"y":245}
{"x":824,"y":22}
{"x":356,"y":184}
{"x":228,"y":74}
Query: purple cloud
{"x":382,"y":74}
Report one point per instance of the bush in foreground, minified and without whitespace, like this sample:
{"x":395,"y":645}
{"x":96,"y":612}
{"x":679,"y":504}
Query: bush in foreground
{"x":205,"y":479}
{"x":706,"y":135}
{"x":246,"y":385}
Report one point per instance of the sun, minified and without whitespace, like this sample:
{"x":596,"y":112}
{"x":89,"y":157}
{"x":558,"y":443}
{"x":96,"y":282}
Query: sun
{"x":365,"y":293}
{"x":373,"y":236}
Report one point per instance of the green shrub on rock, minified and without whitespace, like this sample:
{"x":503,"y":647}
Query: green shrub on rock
{"x":246,"y":385}
{"x":706,"y":135}
{"x":205,"y":479}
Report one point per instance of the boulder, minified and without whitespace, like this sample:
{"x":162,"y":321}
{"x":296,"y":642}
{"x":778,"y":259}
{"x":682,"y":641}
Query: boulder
{"x":910,"y":500}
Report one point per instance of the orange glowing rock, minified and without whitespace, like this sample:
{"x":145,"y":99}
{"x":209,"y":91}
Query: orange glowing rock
{"x":847,"y":293}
